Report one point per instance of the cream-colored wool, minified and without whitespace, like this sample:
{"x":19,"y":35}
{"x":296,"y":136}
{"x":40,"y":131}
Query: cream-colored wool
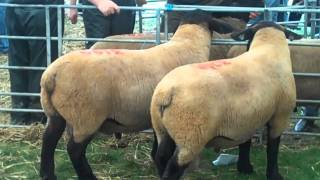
{"x":216,"y":51}
{"x":128,"y":45}
{"x":304,"y":60}
{"x":87,"y":87}
{"x":223,"y":103}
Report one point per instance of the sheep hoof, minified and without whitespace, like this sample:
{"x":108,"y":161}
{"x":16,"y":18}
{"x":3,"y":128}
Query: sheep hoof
{"x":274,"y":176}
{"x":245,"y":169}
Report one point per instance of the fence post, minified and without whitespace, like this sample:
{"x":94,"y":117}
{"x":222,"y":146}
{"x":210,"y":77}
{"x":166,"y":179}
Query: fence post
{"x":60,"y":19}
{"x":48,"y":34}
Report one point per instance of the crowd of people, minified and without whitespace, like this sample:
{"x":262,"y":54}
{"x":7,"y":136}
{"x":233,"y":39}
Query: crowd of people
{"x":105,"y":20}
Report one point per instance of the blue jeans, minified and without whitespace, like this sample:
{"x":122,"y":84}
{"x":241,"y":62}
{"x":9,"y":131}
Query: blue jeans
{"x":4,"y":44}
{"x":273,"y":15}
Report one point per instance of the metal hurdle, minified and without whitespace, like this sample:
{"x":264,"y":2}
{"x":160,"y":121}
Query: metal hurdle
{"x":159,"y":11}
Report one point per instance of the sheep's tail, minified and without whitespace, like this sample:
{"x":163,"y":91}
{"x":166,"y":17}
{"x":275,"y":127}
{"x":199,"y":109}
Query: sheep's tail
{"x":161,"y":100}
{"x":48,"y":83}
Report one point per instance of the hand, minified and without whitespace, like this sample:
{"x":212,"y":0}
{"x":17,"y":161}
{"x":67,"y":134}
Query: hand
{"x":253,"y":15}
{"x":141,"y":2}
{"x":73,"y":15}
{"x":107,"y":7}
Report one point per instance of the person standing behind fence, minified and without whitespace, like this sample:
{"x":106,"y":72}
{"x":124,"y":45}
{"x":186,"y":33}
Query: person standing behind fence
{"x":3,"y":42}
{"x":107,"y":20}
{"x":29,"y":21}
{"x":274,"y":16}
{"x":174,"y":17}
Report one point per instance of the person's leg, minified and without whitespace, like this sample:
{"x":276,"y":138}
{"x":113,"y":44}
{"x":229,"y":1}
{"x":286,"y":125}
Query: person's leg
{"x":18,"y":55}
{"x":305,"y":124}
{"x":34,"y":24}
{"x":95,"y":23}
{"x":283,"y":16}
{"x":273,"y":3}
{"x":317,"y":29}
{"x":3,"y":42}
{"x":38,"y":54}
{"x":311,"y":111}
{"x":124,"y":22}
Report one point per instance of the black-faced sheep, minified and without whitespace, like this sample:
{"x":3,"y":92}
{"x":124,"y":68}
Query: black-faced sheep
{"x":222,"y":103}
{"x":110,"y":90}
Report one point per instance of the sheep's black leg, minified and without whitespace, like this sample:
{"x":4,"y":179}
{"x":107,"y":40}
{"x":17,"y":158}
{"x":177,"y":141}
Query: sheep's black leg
{"x":244,"y":165}
{"x":165,"y":151}
{"x":51,"y":136}
{"x":272,"y":158}
{"x":118,"y":135}
{"x":77,"y":154}
{"x":154,"y":147}
{"x":173,"y":170}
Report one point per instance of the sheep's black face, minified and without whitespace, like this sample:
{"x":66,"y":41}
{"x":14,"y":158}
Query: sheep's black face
{"x":205,"y":18}
{"x":196,"y":17}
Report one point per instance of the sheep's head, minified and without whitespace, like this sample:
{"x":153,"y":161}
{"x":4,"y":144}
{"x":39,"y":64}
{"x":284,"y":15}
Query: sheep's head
{"x":205,"y":19}
{"x":248,"y":33}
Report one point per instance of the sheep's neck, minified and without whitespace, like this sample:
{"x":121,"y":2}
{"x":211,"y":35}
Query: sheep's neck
{"x":193,"y":33}
{"x":269,"y":36}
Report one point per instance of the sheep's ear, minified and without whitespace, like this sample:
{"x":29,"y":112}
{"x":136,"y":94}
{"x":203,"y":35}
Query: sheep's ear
{"x":242,"y":35}
{"x":291,"y":35}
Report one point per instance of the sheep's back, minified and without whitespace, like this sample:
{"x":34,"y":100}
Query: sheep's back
{"x":218,"y":104}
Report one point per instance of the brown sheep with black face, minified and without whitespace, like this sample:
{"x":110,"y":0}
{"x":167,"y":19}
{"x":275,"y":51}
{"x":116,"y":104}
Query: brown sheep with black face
{"x":222,"y":103}
{"x":110,"y":90}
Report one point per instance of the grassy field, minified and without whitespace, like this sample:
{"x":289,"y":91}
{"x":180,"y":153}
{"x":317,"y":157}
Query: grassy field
{"x":20,"y":158}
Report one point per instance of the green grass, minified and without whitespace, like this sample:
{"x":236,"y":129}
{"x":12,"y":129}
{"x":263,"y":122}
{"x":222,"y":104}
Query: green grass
{"x":20,"y":160}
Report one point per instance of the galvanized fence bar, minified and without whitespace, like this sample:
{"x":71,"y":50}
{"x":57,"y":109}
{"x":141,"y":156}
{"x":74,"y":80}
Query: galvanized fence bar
{"x":48,"y":35}
{"x":60,"y":33}
{"x":158,"y":27}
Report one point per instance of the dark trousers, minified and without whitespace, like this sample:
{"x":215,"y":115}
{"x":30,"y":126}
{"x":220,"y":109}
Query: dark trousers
{"x":28,"y":22}
{"x":99,"y":26}
{"x":311,"y":111}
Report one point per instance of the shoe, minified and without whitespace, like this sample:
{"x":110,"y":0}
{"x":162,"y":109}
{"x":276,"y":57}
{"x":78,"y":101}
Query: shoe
{"x":225,"y":159}
{"x":300,"y":125}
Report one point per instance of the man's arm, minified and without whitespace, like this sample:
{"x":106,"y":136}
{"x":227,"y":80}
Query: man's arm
{"x":106,"y":7}
{"x":73,"y":13}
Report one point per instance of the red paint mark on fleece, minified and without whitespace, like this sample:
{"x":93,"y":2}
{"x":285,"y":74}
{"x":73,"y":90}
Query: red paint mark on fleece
{"x":213,"y":64}
{"x":102,"y":51}
{"x":136,"y":35}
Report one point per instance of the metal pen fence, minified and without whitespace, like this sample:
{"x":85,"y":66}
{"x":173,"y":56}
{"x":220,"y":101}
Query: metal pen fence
{"x":159,"y":12}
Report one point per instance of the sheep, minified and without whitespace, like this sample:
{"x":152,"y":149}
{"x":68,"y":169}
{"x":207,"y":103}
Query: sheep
{"x":216,"y":51}
{"x":128,"y":45}
{"x":110,"y":91}
{"x":304,"y":60}
{"x":222,"y":103}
